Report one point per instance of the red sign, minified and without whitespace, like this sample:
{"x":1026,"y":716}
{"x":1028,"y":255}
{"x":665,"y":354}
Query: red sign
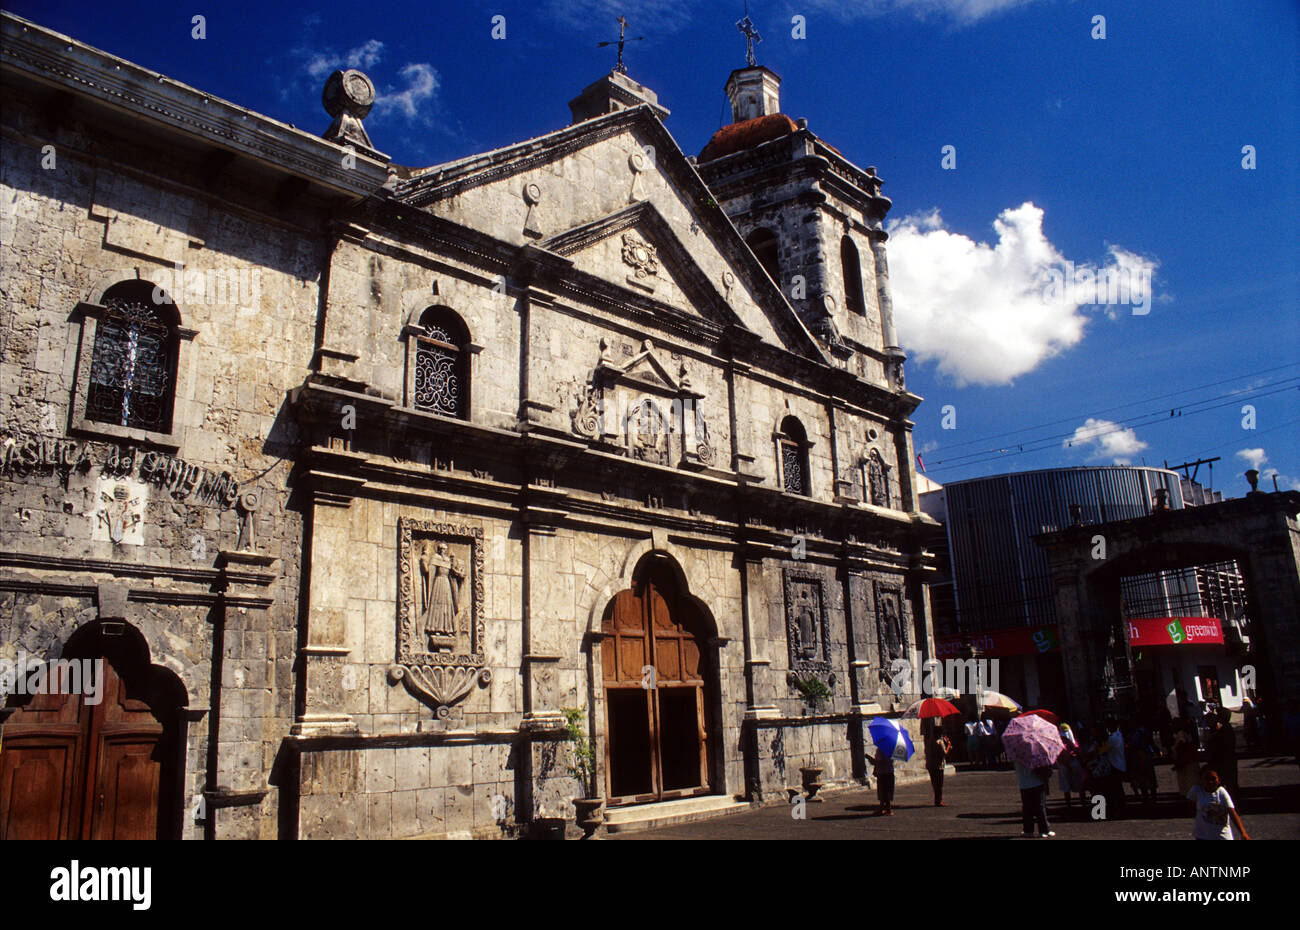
{"x":1175,"y":631}
{"x":1015,"y":642}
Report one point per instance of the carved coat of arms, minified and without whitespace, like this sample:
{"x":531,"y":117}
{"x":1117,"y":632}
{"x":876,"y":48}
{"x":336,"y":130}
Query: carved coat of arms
{"x":640,"y":255}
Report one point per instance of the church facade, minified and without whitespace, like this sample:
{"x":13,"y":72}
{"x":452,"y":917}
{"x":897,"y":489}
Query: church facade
{"x":370,"y":485}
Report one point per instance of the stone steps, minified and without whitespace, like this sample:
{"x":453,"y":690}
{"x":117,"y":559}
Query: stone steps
{"x":670,"y":813}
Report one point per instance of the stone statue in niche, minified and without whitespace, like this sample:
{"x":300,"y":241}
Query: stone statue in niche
{"x":647,"y":433}
{"x":442,"y":605}
{"x":878,"y":483}
{"x":891,"y":626}
{"x":806,"y":626}
{"x":806,"y":623}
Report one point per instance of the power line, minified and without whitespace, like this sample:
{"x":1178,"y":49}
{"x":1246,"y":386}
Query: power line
{"x":1149,"y":419}
{"x":1030,"y":429}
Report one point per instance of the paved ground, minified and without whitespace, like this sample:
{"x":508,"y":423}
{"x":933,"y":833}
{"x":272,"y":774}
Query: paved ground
{"x":986,"y":805}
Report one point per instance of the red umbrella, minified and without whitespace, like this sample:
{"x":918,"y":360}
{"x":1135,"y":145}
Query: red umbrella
{"x":1039,"y":712}
{"x":930,"y":707}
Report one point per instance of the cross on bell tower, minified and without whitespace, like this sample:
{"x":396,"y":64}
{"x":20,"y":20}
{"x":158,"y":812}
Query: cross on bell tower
{"x":752,"y":38}
{"x":619,"y":67}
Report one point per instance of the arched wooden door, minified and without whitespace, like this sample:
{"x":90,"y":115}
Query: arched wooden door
{"x":72,"y":769}
{"x":657,"y":687}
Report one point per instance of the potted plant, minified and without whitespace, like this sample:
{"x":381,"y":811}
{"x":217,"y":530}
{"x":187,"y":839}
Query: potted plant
{"x":582,"y":766}
{"x":812,"y":689}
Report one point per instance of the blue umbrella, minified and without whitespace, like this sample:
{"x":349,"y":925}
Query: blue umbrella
{"x":890,"y":738}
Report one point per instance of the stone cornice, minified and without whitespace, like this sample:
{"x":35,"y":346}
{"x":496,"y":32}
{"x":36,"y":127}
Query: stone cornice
{"x":60,"y":61}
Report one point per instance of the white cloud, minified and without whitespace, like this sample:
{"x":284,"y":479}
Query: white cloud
{"x":421,"y":81}
{"x":366,"y":55}
{"x":1253,"y":457}
{"x":1106,"y":440}
{"x":987,"y":313}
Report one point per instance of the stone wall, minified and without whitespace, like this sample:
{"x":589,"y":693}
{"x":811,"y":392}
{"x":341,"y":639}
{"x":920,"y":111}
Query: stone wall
{"x":248,"y":294}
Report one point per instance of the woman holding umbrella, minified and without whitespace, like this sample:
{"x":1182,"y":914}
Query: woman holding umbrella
{"x":1033,"y":745}
{"x":891,"y":742}
{"x":937,"y":748}
{"x":937,"y":745}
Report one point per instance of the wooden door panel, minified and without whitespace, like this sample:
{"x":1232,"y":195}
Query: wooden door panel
{"x":126,"y":795}
{"x":36,"y":786}
{"x":668,"y":666}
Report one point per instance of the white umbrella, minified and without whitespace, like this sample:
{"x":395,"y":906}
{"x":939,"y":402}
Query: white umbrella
{"x":997,"y":699}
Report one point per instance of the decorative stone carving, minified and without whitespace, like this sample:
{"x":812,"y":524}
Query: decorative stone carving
{"x":806,"y":622}
{"x":890,"y":627}
{"x":704,"y":450}
{"x":586,"y":415}
{"x":532,"y":197}
{"x":248,"y":502}
{"x":640,"y":255}
{"x":440,"y":612}
{"x":120,"y":515}
{"x":636,"y":163}
{"x":648,"y":432}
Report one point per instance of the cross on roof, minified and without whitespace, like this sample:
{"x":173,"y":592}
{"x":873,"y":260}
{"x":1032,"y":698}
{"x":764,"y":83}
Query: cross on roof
{"x":622,"y":28}
{"x":752,"y":38}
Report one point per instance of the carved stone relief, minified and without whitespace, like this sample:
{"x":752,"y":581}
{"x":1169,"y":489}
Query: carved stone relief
{"x":440,"y":611}
{"x":806,"y":623}
{"x":890,"y":625}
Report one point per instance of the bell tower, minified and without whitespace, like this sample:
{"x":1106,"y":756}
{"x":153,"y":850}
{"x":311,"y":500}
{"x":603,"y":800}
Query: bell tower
{"x":812,"y":218}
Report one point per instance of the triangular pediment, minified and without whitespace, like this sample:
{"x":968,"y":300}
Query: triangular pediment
{"x":645,"y":368}
{"x":636,"y":248}
{"x":580,"y":191}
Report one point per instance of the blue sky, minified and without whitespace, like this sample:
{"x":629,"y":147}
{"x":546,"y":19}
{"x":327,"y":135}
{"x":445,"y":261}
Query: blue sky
{"x":1122,"y":153}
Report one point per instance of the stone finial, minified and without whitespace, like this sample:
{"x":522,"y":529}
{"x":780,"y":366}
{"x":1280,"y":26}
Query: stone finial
{"x":1252,"y":475}
{"x":348,"y":97}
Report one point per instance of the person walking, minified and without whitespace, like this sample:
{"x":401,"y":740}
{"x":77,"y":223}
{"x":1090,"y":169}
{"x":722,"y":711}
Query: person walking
{"x":973,"y":742}
{"x":937,"y":749}
{"x":1165,"y":726}
{"x":1033,"y":801}
{"x":1070,"y":768}
{"x":1221,"y":750}
{"x":988,"y":743}
{"x":1117,"y":756}
{"x":882,"y":766}
{"x":1185,"y":756}
{"x":1141,"y":764}
{"x":1214,"y":808}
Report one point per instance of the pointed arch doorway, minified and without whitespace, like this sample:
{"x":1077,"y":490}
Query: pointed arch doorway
{"x":659,"y":684}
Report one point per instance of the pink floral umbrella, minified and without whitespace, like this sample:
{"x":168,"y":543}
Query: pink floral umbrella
{"x":1032,"y":741}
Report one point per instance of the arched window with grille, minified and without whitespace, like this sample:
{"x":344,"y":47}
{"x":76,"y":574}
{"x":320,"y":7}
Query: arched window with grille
{"x":851,"y":265}
{"x":132,"y":380}
{"x":440,"y":380}
{"x":792,"y":446}
{"x":763,"y":243}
